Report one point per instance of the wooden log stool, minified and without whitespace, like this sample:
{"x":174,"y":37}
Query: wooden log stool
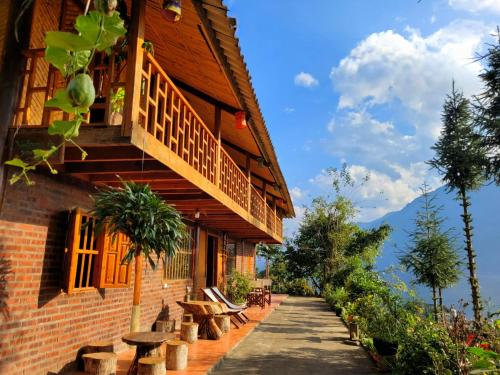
{"x":100,"y":363}
{"x":189,"y":332}
{"x":177,"y":355}
{"x":165,"y":325}
{"x":93,"y":347}
{"x":187,"y":318}
{"x":151,"y":366}
{"x":223,"y":322}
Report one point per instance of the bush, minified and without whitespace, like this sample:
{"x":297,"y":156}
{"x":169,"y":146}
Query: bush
{"x":300,"y":287}
{"x":426,"y":348}
{"x":238,"y":287}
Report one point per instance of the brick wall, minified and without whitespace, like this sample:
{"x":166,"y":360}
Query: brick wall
{"x":41,"y":327}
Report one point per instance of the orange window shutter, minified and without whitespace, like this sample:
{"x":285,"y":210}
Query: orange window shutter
{"x":70,"y":252}
{"x":112,"y":273}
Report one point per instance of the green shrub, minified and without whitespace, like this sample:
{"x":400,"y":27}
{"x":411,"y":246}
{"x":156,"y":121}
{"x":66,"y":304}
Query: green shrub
{"x":238,"y":286}
{"x":426,"y":348}
{"x":300,"y":287}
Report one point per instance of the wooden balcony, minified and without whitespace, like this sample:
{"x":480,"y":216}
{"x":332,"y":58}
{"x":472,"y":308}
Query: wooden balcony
{"x":196,"y":173}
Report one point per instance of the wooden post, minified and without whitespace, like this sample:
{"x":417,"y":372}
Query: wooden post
{"x":134,"y":66}
{"x":248,"y":171}
{"x":217,"y":134}
{"x":135,"y":322}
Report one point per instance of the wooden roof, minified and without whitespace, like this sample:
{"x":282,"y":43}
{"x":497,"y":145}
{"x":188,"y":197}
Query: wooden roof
{"x":203,"y":53}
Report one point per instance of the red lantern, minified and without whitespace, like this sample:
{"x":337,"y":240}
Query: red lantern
{"x":171,"y":10}
{"x":241,"y":121}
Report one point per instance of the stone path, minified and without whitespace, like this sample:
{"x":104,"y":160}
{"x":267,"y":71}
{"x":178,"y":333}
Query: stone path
{"x":302,"y":336}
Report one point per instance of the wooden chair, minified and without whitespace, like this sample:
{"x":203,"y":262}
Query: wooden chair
{"x":222,"y":298}
{"x":257,"y":295}
{"x":235,"y":314}
{"x":267,"y":286}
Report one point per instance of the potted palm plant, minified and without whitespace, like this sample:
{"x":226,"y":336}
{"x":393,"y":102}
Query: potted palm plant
{"x":154,"y":228}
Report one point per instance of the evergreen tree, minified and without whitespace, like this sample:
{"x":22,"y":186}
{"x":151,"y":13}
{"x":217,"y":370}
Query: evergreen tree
{"x":488,"y":109}
{"x":431,"y":256}
{"x":460,"y":159}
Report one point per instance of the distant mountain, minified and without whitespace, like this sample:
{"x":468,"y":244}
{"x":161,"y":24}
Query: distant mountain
{"x":485,"y":212}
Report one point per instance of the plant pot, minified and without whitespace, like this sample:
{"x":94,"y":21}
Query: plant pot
{"x":353,"y":331}
{"x":385,"y":347}
{"x":338,"y":311}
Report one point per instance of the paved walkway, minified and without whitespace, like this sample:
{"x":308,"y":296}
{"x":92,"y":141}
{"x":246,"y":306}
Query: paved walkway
{"x":302,"y":336}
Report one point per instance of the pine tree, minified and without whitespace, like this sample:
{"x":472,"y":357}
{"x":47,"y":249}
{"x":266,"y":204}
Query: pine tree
{"x":431,"y":256}
{"x":487,"y":108}
{"x":460,"y":159}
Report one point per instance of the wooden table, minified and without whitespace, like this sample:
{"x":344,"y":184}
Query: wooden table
{"x":203,"y":314}
{"x":148,"y":345}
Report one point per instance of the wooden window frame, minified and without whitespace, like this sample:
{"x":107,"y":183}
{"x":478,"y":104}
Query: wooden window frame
{"x":105,"y":254}
{"x":182,"y":261}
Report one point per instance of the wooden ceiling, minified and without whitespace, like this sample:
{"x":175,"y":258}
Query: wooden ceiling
{"x":185,"y":53}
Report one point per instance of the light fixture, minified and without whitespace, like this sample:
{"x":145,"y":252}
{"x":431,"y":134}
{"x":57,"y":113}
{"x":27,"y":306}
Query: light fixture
{"x":197,"y":214}
{"x":261,"y":162}
{"x":241,"y":120}
{"x":172,"y":9}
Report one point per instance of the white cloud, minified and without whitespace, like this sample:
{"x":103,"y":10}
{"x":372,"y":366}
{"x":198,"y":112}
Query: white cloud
{"x":382,"y":193}
{"x":392,"y":88}
{"x":289,"y":110}
{"x":296,"y":193}
{"x":415,"y":70}
{"x":475,"y":6}
{"x":432,"y":19}
{"x":305,"y":80}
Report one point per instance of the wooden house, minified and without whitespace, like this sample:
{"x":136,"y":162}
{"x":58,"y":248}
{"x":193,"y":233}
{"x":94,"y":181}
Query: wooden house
{"x":179,"y":129}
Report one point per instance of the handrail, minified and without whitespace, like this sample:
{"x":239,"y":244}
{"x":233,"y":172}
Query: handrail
{"x":40,"y":82}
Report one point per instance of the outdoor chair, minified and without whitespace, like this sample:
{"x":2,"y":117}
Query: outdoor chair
{"x":235,"y":314}
{"x":228,"y":303}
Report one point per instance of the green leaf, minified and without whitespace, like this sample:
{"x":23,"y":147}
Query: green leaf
{"x":62,"y":101}
{"x":103,"y":37}
{"x":65,"y":61}
{"x":67,"y":41}
{"x":16,"y":162}
{"x":67,"y":129}
{"x":44,"y":154}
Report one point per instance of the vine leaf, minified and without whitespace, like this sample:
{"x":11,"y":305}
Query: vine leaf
{"x":65,"y":61}
{"x":67,"y":129}
{"x":44,"y":155}
{"x":62,"y":101}
{"x":67,"y":41}
{"x":25,"y":167}
{"x":104,"y":37}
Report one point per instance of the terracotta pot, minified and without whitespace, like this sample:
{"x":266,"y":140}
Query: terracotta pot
{"x":385,"y":347}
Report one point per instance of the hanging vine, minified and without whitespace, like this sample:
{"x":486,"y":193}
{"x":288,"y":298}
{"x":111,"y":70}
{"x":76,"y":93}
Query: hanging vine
{"x":71,"y":54}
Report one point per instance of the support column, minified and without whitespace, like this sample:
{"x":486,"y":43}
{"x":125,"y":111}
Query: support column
{"x":134,"y":66}
{"x":217,"y":134}
{"x":248,"y":173}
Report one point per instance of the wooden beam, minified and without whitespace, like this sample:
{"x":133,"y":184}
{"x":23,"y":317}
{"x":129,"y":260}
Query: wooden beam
{"x":200,"y":94}
{"x":109,"y":153}
{"x":134,"y":66}
{"x":113,"y":167}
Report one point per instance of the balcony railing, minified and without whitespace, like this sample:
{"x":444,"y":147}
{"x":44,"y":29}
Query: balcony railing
{"x":40,"y":82}
{"x":163,"y":112}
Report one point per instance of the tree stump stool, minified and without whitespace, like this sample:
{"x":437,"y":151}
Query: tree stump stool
{"x":177,"y":355}
{"x":151,"y":366}
{"x":100,"y":363}
{"x":93,"y":347}
{"x":187,"y":318}
{"x":165,"y":325}
{"x":189,"y":332}
{"x":223,"y":322}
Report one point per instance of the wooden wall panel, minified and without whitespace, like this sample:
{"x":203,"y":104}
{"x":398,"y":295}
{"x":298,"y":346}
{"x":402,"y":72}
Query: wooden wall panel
{"x":4,"y":24}
{"x":201,"y":263}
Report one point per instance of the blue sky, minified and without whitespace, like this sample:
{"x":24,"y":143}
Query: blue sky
{"x":360,"y":81}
